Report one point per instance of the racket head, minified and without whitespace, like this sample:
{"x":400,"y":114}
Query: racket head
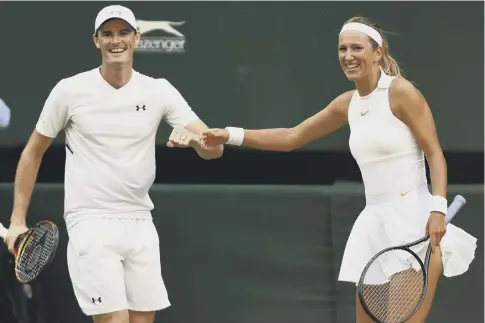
{"x":393,"y":285}
{"x":35,"y":250}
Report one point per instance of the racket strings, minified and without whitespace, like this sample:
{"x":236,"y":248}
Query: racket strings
{"x":36,"y":252}
{"x":393,"y":286}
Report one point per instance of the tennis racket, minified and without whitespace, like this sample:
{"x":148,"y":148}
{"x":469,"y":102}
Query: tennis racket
{"x":34,"y":250}
{"x":393,"y":284}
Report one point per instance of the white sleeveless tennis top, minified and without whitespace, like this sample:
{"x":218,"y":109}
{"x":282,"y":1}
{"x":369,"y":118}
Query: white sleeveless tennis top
{"x":388,"y":156}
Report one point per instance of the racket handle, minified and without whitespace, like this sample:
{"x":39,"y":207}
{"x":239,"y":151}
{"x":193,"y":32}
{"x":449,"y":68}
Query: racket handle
{"x":3,"y":231}
{"x":458,"y":202}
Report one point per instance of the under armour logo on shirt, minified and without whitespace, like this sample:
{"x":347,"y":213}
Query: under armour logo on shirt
{"x":96,"y":300}
{"x":138,"y":107}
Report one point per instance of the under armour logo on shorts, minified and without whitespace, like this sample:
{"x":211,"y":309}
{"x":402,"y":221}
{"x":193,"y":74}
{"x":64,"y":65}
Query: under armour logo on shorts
{"x":96,"y":300}
{"x":138,"y":107}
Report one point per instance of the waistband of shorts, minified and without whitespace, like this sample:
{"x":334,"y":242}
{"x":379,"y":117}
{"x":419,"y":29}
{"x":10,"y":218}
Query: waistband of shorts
{"x":392,"y":195}
{"x":73,"y":219}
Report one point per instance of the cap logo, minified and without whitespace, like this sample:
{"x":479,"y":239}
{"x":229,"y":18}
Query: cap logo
{"x":116,"y":13}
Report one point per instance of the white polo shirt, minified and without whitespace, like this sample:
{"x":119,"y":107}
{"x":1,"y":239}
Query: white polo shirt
{"x":110,"y":140}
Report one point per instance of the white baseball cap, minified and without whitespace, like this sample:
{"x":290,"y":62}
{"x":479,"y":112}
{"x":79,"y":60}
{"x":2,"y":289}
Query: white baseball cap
{"x":115,"y":11}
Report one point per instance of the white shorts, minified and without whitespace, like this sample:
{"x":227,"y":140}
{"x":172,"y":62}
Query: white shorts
{"x":393,"y":221}
{"x":114,"y":264}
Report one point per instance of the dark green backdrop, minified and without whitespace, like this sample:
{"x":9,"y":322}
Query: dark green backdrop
{"x":258,"y":254}
{"x":255,"y":64}
{"x":255,"y":254}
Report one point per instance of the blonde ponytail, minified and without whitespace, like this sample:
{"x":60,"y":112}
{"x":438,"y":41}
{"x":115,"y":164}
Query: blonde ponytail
{"x":390,"y":66}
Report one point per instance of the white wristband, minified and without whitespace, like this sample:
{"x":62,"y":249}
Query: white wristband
{"x":236,"y":136}
{"x":439,"y":204}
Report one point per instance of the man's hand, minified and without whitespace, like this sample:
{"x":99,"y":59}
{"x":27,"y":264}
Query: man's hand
{"x":214,"y":137}
{"x":14,"y":231}
{"x":436,"y":228}
{"x":182,"y":138}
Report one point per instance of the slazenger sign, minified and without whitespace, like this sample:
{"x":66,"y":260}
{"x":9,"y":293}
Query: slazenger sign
{"x":173,"y":43}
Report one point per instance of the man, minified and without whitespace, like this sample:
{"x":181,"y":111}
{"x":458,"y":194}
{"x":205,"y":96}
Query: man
{"x":11,"y":288}
{"x":26,"y":301}
{"x":110,"y":116}
{"x":5,"y":115}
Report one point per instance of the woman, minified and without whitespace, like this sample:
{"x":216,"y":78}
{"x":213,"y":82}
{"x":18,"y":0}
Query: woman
{"x":4,"y":115}
{"x":392,"y":131}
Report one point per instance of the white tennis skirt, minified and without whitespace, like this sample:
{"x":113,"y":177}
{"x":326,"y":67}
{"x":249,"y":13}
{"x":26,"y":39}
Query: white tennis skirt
{"x":394,"y":221}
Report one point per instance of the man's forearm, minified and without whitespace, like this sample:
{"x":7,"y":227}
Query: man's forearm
{"x":25,"y":179}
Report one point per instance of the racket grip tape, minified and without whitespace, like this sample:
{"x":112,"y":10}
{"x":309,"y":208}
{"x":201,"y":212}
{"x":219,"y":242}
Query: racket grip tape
{"x":458,"y":202}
